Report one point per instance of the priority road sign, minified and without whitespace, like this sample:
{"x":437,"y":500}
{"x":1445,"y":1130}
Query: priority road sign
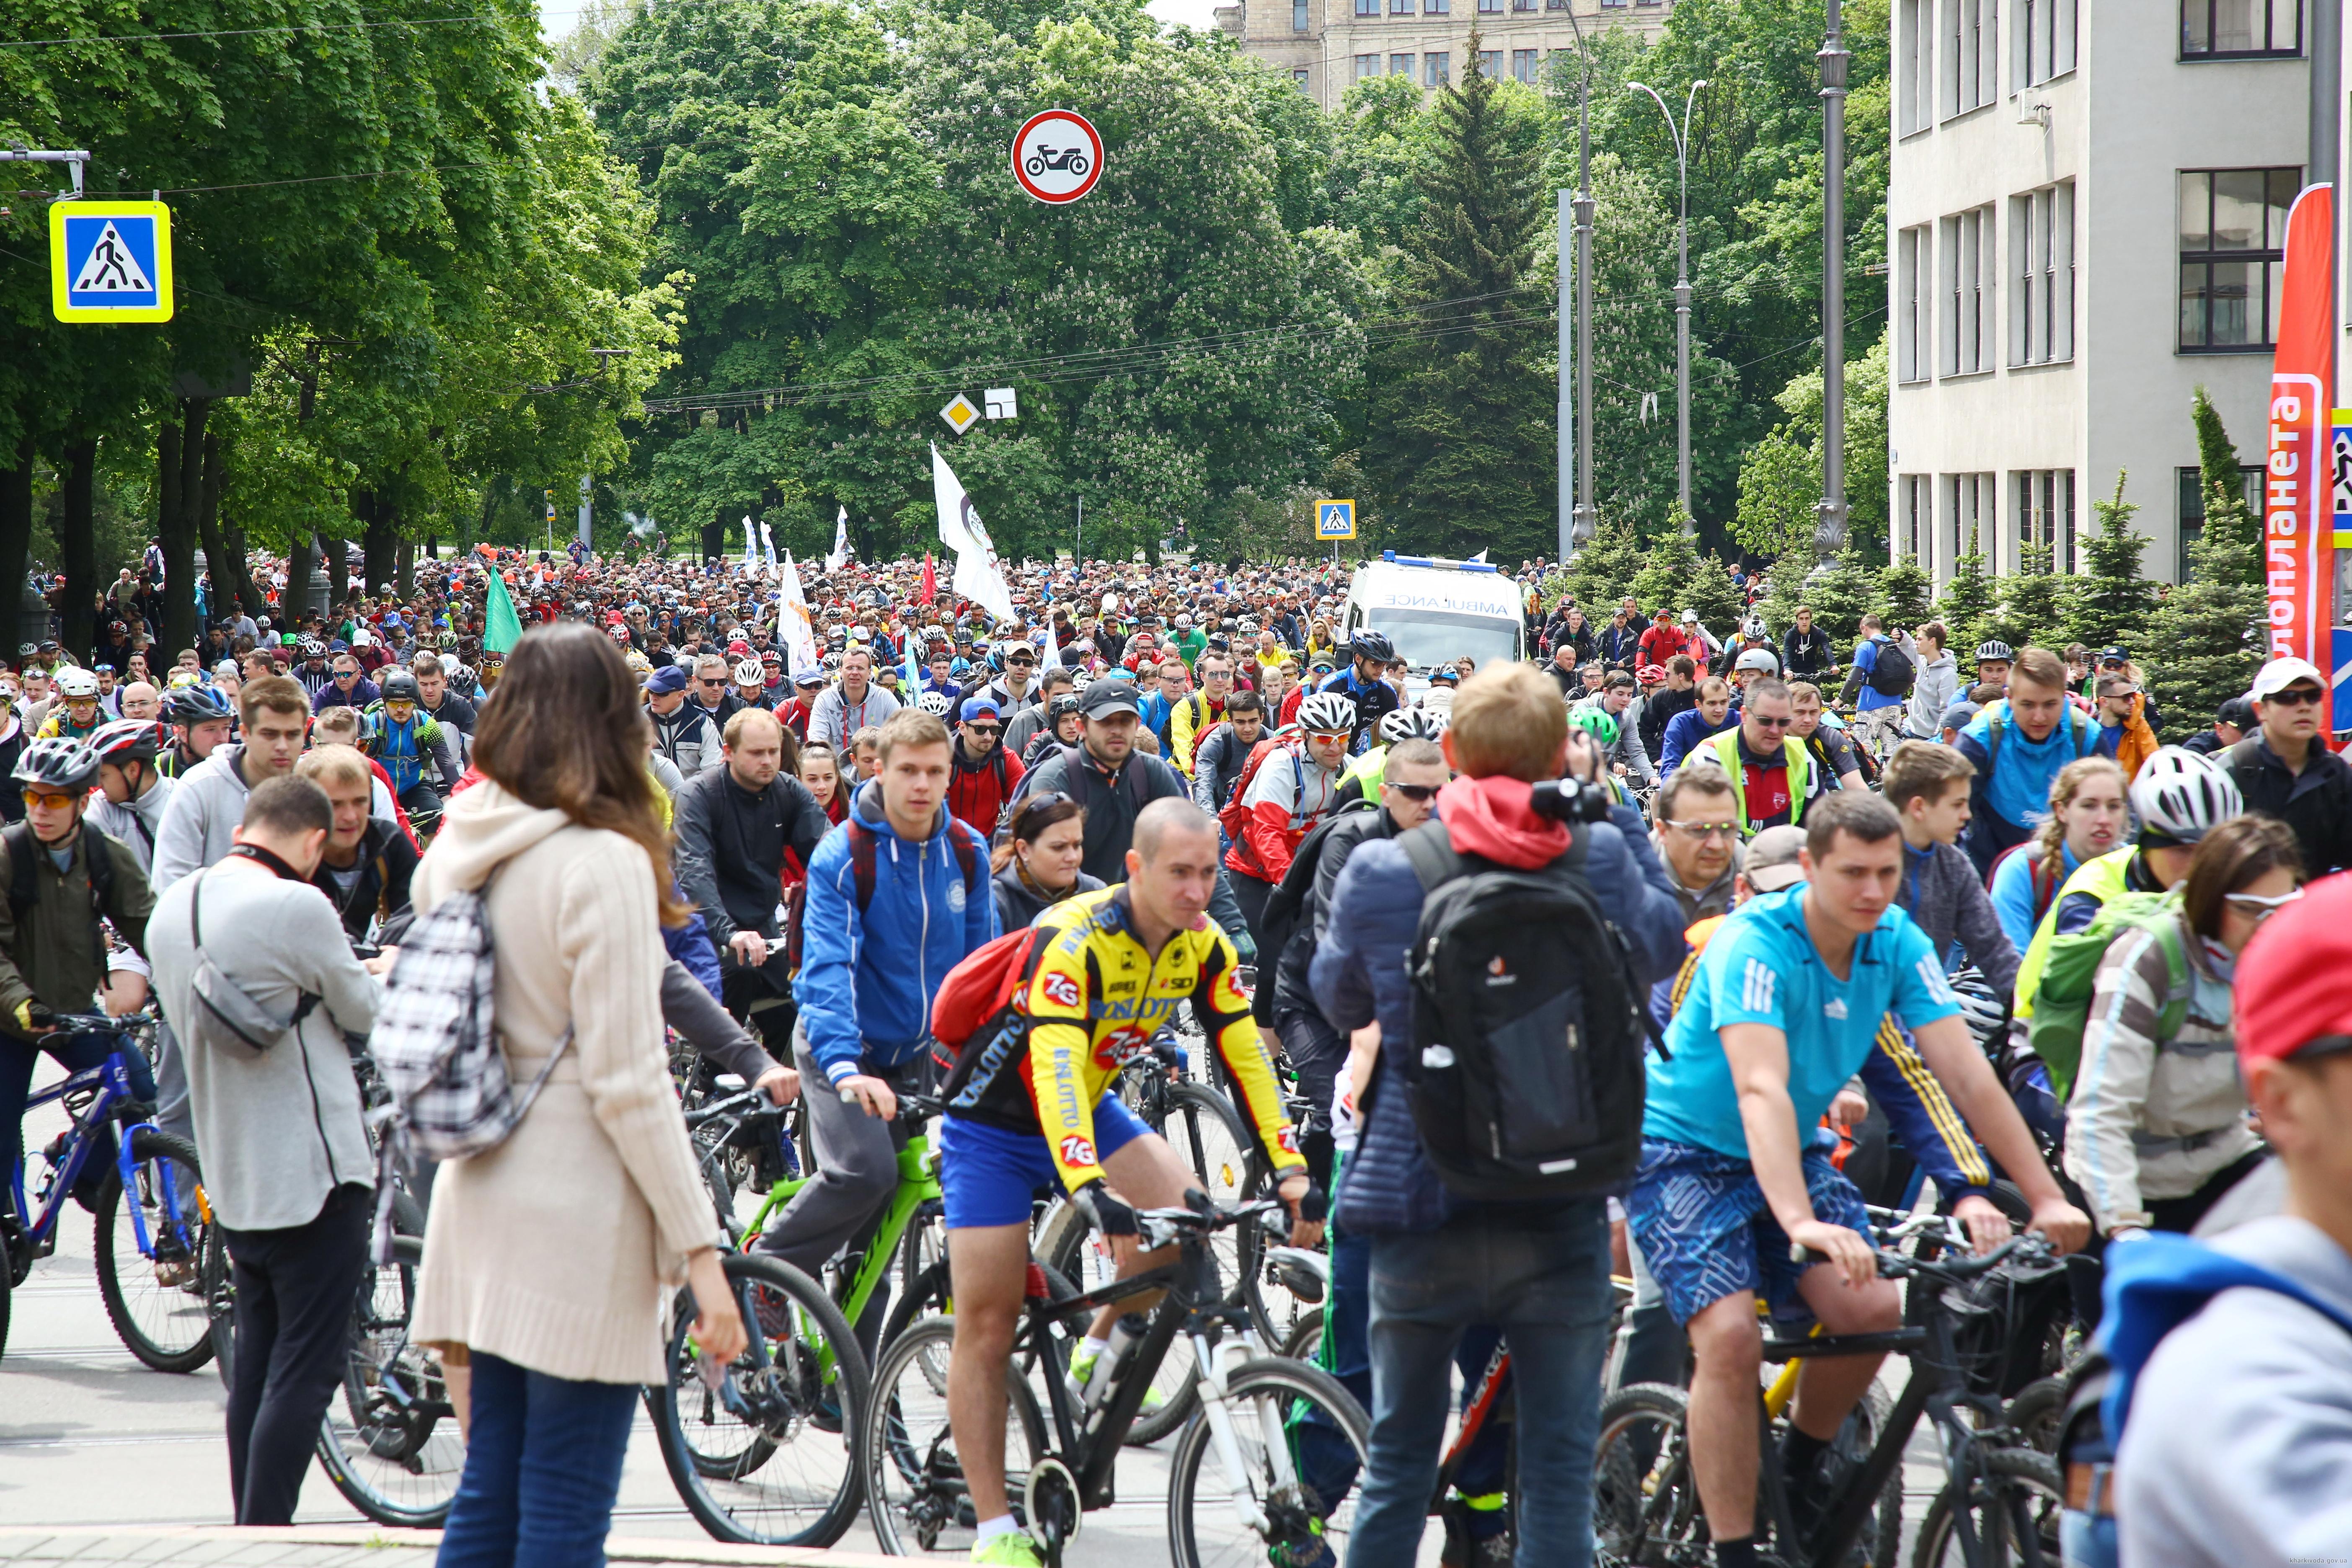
{"x":1335,"y":519}
{"x":111,"y":261}
{"x":960,"y":414}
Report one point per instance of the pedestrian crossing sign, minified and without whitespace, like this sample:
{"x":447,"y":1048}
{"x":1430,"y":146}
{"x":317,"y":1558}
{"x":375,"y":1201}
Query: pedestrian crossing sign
{"x":1335,"y":519}
{"x":111,"y":261}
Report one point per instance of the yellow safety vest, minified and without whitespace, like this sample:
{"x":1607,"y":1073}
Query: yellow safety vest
{"x":1726,"y":748}
{"x":2104,"y":878}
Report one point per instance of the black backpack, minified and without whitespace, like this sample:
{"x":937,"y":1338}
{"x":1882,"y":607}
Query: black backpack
{"x":1891,"y":675}
{"x":1526,"y":1075}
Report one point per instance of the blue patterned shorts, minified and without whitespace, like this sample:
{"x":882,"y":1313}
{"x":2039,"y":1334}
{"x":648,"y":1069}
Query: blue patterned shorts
{"x":1706,"y":1231}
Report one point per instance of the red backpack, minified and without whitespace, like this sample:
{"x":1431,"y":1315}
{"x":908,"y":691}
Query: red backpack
{"x":1233,"y":816}
{"x":983,"y":988}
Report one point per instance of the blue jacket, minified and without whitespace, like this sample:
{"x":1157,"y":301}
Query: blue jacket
{"x":860,"y":1013}
{"x":690,"y":945}
{"x":1358,"y":976}
{"x":2010,"y":794}
{"x":1685,"y":731}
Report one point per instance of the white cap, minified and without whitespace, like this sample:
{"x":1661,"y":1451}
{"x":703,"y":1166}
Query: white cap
{"x":2281,"y":673}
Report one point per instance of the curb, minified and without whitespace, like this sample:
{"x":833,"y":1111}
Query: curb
{"x":74,"y":1542}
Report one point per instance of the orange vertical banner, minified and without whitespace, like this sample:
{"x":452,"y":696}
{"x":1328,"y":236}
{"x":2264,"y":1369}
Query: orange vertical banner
{"x":2298,"y":522}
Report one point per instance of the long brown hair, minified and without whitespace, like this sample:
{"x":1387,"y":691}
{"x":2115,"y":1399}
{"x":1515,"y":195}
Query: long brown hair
{"x":563,"y":731}
{"x":2241,"y":850}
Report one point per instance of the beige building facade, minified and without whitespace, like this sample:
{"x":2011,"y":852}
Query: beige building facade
{"x":1328,"y":45}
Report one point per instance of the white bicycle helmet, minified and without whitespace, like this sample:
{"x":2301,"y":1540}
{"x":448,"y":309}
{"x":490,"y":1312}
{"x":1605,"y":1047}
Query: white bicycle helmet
{"x":937,"y":704}
{"x":1410,"y":724}
{"x":2184,"y":795}
{"x":75,"y":682}
{"x":1757,"y":659}
{"x":1994,"y":649}
{"x":751,"y":672}
{"x":1326,"y":713}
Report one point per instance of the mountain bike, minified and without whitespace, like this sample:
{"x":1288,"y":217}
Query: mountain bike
{"x":1264,"y":1472}
{"x":153,"y":1230}
{"x":1999,"y":1507}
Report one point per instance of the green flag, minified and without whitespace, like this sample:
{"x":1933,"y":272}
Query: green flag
{"x":501,"y":628}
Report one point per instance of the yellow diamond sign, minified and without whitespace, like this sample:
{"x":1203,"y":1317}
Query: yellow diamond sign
{"x":960,"y":414}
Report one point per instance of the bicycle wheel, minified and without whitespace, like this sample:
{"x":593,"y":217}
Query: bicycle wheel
{"x":156,"y":1297}
{"x":1067,"y":1249}
{"x":215,"y":1276}
{"x":2036,"y":1412}
{"x":915,"y":1494}
{"x":1306,"y":1341}
{"x":1304,"y":1442}
{"x":1645,"y":1495}
{"x":765,"y":1458}
{"x":391,"y":1443}
{"x":2015,"y":1511}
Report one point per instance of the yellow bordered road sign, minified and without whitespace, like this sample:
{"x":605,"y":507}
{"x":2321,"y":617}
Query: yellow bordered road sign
{"x":111,"y":261}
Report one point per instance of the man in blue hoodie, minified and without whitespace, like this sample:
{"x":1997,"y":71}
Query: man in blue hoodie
{"x":897,"y":897}
{"x":2016,"y":745}
{"x":1441,"y":1264}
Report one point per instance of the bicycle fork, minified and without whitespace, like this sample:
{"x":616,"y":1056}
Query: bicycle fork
{"x":1218,"y":1412}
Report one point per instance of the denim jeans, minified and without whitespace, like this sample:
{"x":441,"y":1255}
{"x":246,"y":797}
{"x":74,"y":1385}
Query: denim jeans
{"x":543,"y":1467}
{"x":1543,"y":1279}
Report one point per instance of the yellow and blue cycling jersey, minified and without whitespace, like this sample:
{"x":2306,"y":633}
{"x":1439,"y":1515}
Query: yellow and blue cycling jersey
{"x":1094,"y":998}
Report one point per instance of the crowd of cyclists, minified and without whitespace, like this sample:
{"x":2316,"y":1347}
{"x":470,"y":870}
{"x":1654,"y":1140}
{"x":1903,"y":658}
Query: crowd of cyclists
{"x":1898,"y":922}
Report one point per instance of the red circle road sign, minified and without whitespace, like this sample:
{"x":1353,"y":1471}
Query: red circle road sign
{"x":1057,"y":155}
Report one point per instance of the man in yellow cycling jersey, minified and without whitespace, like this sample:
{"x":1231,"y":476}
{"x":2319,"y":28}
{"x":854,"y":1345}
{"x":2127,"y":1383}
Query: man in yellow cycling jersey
{"x":1035,"y":1109}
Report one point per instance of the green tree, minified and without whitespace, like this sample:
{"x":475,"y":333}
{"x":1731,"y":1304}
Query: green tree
{"x":1780,"y":477}
{"x":1602,"y":572}
{"x":2036,"y":604}
{"x":2218,"y":471}
{"x":1670,"y":566}
{"x":1967,"y":606}
{"x":1461,"y":444}
{"x":1841,"y":591}
{"x":1902,"y":593}
{"x":2208,"y":628}
{"x":2113,"y":602}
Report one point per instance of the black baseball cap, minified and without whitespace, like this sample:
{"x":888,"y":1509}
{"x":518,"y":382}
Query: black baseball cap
{"x":1104,"y":698}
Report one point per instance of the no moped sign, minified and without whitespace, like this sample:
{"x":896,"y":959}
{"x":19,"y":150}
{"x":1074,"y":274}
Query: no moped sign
{"x":1057,"y":155}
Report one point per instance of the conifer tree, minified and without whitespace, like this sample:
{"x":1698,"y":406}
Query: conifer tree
{"x":2036,"y":604}
{"x":1967,"y":606}
{"x":2206,"y":637}
{"x":1902,"y":593}
{"x":1603,"y":570}
{"x":2112,"y":602}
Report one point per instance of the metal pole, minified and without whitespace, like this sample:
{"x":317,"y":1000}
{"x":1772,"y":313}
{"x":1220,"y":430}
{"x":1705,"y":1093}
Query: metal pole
{"x":1582,"y":528}
{"x":1830,"y":513}
{"x":1566,"y":246}
{"x":1681,"y":135}
{"x":74,"y":162}
{"x":587,"y":515}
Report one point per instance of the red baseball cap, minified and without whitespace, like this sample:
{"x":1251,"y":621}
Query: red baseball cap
{"x":2293,"y":983}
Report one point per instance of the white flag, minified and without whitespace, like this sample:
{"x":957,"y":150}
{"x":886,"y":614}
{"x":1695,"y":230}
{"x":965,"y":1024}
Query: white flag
{"x":793,"y":618}
{"x":1480,"y":557}
{"x":750,"y":546}
{"x":978,"y":577}
{"x":768,"y":547}
{"x":834,"y":562}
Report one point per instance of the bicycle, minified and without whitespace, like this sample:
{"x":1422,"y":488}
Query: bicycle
{"x":1999,"y":1505}
{"x":152,"y":1228}
{"x":1289,"y":1441}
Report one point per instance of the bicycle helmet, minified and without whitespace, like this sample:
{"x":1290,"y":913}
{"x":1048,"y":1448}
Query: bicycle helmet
{"x":751,"y":672}
{"x":1328,"y":713}
{"x":182,"y":678}
{"x":313,"y":648}
{"x":1400,"y":725}
{"x":75,"y":684}
{"x":398,"y":686}
{"x":1598,"y":722}
{"x":193,"y":705}
{"x":1651,"y":674}
{"x":1982,"y":1008}
{"x":130,"y":741}
{"x":1996,"y":648}
{"x":57,"y":762}
{"x":1369,"y":644}
{"x":2183,"y":796}
{"x":1757,"y":659}
{"x":1061,"y":708}
{"x":937,"y":704}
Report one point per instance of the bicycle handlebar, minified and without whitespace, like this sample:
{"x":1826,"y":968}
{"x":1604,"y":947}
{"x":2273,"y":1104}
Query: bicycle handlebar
{"x":1954,"y":1266}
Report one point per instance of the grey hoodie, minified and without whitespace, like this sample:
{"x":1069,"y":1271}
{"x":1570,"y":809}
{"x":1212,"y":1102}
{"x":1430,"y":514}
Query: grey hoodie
{"x":1934,"y":687}
{"x":2238,"y":1451}
{"x":200,"y":821}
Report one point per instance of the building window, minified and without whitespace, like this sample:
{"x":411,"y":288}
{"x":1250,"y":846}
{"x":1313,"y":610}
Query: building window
{"x":1555,"y":5}
{"x":1368,"y":8}
{"x":1367,"y":65}
{"x":2211,"y":30}
{"x":2042,"y":275}
{"x":2192,"y":506}
{"x":1914,"y":524}
{"x":1913,"y":286}
{"x":1400,"y":7}
{"x":1914,"y":66}
{"x":2232,"y":244}
{"x":1490,"y":64}
{"x":1436,"y":7}
{"x":1968,"y":502}
{"x":2042,"y":41}
{"x":1490,"y":7}
{"x":1647,"y":2}
{"x":1298,"y":23}
{"x":1612,"y":2}
{"x":1436,"y":70}
{"x":2045,"y":516}
{"x":1523,"y":66}
{"x":1302,"y":77}
{"x":1970,"y":27}
{"x":1966,"y":288}
{"x":1401,"y":65}
{"x":1523,"y":5}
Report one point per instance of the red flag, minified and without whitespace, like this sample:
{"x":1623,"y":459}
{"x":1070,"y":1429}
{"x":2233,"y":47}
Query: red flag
{"x":2298,"y":555}
{"x":930,"y":580}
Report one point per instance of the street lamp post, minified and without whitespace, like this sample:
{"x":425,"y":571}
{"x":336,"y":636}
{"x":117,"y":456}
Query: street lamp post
{"x":1579,"y":526}
{"x":1828,"y":513}
{"x":1681,"y":135}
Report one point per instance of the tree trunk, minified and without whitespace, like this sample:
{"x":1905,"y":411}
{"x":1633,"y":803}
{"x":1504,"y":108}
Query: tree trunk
{"x":404,"y":579}
{"x":249,"y":600}
{"x":379,"y":536}
{"x":16,"y":525}
{"x":217,"y":566}
{"x":78,"y":544}
{"x":180,"y":452}
{"x":339,"y":578}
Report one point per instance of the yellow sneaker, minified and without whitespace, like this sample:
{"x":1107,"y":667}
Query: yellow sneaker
{"x":1014,"y":1550}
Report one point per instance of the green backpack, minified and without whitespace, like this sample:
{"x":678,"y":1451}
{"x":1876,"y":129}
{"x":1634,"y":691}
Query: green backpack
{"x":2062,"y":999}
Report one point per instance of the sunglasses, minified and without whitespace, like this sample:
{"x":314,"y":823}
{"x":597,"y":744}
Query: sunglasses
{"x":991,"y":731}
{"x":1761,"y":722}
{"x":2256,"y":907}
{"x":2295,"y":697}
{"x":1704,"y":830}
{"x":44,"y":798}
{"x":1418,"y":793}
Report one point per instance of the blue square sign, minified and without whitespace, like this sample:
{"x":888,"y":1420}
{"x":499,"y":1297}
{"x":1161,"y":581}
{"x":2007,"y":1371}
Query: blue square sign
{"x":111,"y":261}
{"x":1335,"y":519}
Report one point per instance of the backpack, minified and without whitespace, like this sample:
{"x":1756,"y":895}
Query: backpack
{"x":2047,"y":874}
{"x":1891,"y":674}
{"x":24,"y":889}
{"x":1233,"y":816}
{"x":981,"y":990}
{"x":1526,"y":1077}
{"x":862,"y":845}
{"x":2153,"y":1286}
{"x":2062,"y":997}
{"x":227,"y":1017}
{"x":1287,"y":905}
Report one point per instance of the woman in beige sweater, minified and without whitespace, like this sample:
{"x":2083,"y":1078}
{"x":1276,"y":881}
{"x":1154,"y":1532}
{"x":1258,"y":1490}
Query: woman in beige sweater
{"x":550,"y":1259}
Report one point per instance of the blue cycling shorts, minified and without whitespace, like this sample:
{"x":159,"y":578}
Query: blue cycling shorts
{"x":1706,"y":1231}
{"x":991,"y":1176}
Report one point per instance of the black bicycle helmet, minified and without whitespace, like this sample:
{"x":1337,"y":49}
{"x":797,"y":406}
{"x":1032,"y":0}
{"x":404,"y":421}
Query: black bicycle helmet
{"x":398,"y":685}
{"x":1369,"y":644}
{"x":58,"y":762}
{"x":130,"y":741}
{"x":189,"y":706}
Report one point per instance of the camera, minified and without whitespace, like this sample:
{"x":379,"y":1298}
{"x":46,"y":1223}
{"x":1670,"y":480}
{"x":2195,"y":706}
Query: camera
{"x":1570,"y":800}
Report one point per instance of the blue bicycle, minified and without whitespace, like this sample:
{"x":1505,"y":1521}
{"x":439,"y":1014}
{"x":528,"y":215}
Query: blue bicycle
{"x":154,"y":1228}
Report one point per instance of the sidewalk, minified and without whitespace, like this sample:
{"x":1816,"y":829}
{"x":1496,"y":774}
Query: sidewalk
{"x":348,"y":1546}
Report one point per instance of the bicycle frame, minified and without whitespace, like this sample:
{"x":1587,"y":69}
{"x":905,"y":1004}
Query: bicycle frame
{"x":919,"y":1182}
{"x":111,"y":1080}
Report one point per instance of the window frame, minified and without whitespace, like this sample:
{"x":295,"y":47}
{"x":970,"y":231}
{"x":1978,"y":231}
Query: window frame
{"x":1436,"y":66}
{"x":2270,"y":30}
{"x":2270,"y":258}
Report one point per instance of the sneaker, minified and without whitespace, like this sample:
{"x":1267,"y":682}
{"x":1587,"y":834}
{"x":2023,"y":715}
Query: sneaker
{"x":1012,"y":1550}
{"x":1082,"y":1372}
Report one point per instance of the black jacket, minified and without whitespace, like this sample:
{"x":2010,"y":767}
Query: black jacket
{"x":1804,"y":655}
{"x":387,"y":861}
{"x":2316,"y":803}
{"x":1112,"y":803}
{"x":1658,"y":710}
{"x":731,"y":844}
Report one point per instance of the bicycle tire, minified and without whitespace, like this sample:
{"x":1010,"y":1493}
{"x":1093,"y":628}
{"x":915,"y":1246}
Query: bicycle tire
{"x":906,"y":1457}
{"x":1306,"y":1341}
{"x":1646,"y":1505}
{"x":2036,"y":1412}
{"x":786,"y":1399}
{"x":1241,"y":1252}
{"x":1312,"y":1401}
{"x":397,"y":1453}
{"x":2024,"y":1494}
{"x":165,"y":1326}
{"x":1061,"y":1248}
